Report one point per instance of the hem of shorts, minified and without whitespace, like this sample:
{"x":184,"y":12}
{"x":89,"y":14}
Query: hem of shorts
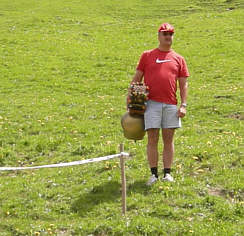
{"x":152,"y":128}
{"x":172,"y":127}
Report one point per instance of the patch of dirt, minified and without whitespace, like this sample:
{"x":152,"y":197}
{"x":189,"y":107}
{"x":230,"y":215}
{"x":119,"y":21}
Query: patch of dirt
{"x":217,"y":192}
{"x":229,"y":195}
{"x":237,"y":115}
{"x":63,"y":233}
{"x":224,"y":96}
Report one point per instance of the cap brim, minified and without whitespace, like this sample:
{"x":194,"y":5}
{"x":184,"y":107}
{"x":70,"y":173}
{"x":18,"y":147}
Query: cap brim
{"x":166,"y":31}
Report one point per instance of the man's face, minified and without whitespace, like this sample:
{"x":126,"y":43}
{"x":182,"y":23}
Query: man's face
{"x":165,"y":38}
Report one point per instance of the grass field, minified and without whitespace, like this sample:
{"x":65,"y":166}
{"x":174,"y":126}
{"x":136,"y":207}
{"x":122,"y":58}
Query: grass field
{"x":65,"y":68}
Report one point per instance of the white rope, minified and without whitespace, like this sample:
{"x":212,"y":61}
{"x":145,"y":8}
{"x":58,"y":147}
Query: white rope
{"x":73,"y":163}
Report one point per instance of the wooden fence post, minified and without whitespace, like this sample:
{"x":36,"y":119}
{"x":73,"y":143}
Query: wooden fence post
{"x":123,"y":179}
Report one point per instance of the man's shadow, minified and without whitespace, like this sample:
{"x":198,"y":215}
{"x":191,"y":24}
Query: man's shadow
{"x":106,"y":192}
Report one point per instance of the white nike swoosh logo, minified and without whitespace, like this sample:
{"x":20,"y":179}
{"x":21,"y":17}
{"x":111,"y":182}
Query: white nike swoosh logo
{"x":162,"y":61}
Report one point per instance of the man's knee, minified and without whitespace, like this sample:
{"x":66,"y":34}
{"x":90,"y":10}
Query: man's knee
{"x":153,"y":136}
{"x":168,"y":136}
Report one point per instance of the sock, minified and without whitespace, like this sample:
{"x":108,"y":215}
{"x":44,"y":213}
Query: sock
{"x":154,"y":171}
{"x":166,"y":171}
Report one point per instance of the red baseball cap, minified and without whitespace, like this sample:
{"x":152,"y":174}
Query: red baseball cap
{"x":166,"y":27}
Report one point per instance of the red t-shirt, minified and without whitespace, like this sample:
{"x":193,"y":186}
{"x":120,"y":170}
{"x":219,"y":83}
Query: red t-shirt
{"x":161,"y":71}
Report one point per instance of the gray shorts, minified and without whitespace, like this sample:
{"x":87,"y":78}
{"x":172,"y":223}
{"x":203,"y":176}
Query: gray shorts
{"x":161,"y":115}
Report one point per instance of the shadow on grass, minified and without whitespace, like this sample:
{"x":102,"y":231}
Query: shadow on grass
{"x":107,"y":192}
{"x":138,"y":187}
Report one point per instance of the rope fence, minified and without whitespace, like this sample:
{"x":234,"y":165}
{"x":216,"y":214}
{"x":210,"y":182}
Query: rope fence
{"x":73,"y":163}
{"x":122,"y":155}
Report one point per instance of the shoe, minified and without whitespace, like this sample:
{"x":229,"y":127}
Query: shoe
{"x":168,"y":178}
{"x":153,"y":179}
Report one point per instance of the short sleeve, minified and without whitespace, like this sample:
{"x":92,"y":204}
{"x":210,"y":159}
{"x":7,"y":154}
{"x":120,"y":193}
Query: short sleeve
{"x":183,"y":69}
{"x":142,"y":62}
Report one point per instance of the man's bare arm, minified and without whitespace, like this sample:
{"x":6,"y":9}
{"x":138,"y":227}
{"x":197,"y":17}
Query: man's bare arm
{"x":137,"y":77}
{"x":183,"y":84}
{"x":183,"y":96}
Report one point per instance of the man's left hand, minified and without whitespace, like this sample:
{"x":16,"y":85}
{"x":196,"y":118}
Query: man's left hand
{"x":181,"y":112}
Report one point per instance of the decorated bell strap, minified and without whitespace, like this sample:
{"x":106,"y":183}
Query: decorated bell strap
{"x":138,"y":96}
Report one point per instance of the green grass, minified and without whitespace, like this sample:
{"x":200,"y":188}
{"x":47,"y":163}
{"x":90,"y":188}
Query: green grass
{"x":65,"y":68}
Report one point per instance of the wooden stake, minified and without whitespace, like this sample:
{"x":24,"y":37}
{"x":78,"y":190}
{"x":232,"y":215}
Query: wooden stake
{"x":123,"y":179}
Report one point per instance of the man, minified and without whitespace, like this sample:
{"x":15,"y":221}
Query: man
{"x":162,"y":68}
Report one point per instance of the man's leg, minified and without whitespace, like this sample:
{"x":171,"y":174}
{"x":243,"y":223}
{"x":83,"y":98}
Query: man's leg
{"x":152,"y":147}
{"x":152,"y":154}
{"x":168,"y":151}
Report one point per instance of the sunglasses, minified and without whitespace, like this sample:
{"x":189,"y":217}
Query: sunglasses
{"x":167,"y":33}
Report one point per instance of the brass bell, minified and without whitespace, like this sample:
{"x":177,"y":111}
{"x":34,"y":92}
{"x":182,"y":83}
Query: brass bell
{"x":133,"y":126}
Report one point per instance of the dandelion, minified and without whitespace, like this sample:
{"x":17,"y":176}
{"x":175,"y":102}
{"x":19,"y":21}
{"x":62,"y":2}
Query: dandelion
{"x":179,"y":166}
